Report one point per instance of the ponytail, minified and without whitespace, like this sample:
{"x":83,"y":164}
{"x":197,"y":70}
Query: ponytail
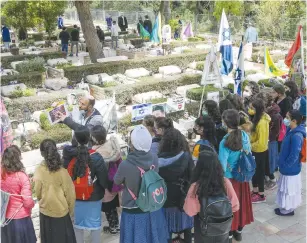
{"x":234,"y":140}
{"x":51,"y":155}
{"x":82,"y":160}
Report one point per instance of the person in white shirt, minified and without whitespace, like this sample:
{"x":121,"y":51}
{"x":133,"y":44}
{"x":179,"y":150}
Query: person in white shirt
{"x":114,"y":34}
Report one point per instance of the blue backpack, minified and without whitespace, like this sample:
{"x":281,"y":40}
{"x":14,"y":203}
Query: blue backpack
{"x":153,"y":191}
{"x":245,"y":168}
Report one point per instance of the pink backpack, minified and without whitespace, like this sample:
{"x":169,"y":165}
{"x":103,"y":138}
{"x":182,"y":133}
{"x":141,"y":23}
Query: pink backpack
{"x":282,"y":131}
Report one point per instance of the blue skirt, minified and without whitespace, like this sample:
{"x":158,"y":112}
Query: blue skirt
{"x":88,"y":215}
{"x":143,"y":228}
{"x":177,"y":220}
{"x":19,"y":231}
{"x":273,"y":156}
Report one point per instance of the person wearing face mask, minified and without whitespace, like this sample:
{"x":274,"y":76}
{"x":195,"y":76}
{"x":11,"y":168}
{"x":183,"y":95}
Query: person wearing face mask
{"x":289,"y":183}
{"x":89,"y":117}
{"x":259,"y":143}
{"x":249,"y":93}
{"x":229,"y":153}
{"x":205,"y":127}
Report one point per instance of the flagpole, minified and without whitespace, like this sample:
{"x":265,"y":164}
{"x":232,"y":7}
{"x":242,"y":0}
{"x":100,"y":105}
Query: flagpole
{"x":302,"y":58}
{"x":201,"y":100}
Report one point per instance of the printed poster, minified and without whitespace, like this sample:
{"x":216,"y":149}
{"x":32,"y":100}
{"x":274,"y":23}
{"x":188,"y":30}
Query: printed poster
{"x":214,"y":96}
{"x":140,"y":111}
{"x":175,"y":103}
{"x":159,"y":110}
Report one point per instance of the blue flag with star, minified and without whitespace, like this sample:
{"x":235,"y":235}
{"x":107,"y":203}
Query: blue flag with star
{"x":225,"y":45}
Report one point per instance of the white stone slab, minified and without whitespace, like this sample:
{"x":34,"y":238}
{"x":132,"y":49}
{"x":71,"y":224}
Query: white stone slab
{"x":169,"y":70}
{"x":99,"y":78}
{"x":28,"y":128}
{"x":13,"y":64}
{"x":203,"y":46}
{"x":56,"y":61}
{"x":145,"y":97}
{"x":37,"y":43}
{"x":112,"y":59}
{"x":192,"y":71}
{"x":56,"y":83}
{"x":256,"y":77}
{"x":7,"y":90}
{"x":158,"y":75}
{"x":120,"y":78}
{"x":125,"y":46}
{"x":33,"y":52}
{"x":36,"y":116}
{"x":6,"y":54}
{"x":181,"y":90}
{"x":179,"y":50}
{"x":6,"y":72}
{"x":225,"y":81}
{"x":137,"y":73}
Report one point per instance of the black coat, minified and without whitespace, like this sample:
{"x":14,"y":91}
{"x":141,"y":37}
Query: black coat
{"x":148,"y":25}
{"x":100,"y":34}
{"x":122,"y":23}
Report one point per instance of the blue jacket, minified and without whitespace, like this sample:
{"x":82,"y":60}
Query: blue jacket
{"x":229,"y":158}
{"x":289,"y":158}
{"x":6,"y":37}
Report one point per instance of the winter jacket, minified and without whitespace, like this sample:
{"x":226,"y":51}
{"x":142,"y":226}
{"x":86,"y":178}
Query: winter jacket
{"x":175,"y":169}
{"x":74,"y":35}
{"x":260,"y":137}
{"x":285,"y":105}
{"x":18,"y":183}
{"x":155,"y":145}
{"x":201,"y":147}
{"x":289,"y":158}
{"x":100,"y":34}
{"x":148,"y":25}
{"x":129,"y":175}
{"x":99,"y":171}
{"x":55,"y":192}
{"x":275,"y":123}
{"x":229,"y":158}
{"x":110,"y":151}
{"x":192,"y":205}
{"x":64,"y":37}
{"x":114,"y":30}
{"x":6,"y":37}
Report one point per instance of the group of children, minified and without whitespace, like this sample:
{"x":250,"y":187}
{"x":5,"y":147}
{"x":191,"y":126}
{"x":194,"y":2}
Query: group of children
{"x":73,"y":190}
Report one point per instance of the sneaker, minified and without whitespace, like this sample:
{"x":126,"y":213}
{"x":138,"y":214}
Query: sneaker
{"x":258,"y":199}
{"x":270,"y":185}
{"x":237,"y":235}
{"x":71,"y":54}
{"x":254,"y":194}
{"x":277,"y":211}
{"x":117,"y":228}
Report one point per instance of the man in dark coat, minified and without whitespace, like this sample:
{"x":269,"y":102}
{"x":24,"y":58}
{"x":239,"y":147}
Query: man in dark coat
{"x":122,"y":23}
{"x":148,"y":24}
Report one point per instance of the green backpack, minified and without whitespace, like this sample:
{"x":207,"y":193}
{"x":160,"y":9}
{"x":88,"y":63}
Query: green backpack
{"x":153,"y":191}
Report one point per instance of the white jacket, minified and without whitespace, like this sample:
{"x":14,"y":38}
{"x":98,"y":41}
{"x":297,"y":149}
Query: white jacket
{"x":114,"y":30}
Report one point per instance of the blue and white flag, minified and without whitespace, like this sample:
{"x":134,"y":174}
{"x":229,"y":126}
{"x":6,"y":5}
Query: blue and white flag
{"x":225,"y":45}
{"x":239,"y":72}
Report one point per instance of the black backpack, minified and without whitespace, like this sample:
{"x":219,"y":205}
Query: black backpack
{"x":215,"y":216}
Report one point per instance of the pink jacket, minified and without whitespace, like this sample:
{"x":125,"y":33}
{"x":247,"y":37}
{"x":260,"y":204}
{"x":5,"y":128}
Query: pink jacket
{"x":192,"y":205}
{"x":18,"y":183}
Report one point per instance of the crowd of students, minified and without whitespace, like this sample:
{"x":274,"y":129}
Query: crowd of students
{"x":262,"y":123}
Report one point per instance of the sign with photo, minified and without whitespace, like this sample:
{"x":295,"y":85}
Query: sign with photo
{"x":214,"y":96}
{"x":159,"y":110}
{"x":175,"y":103}
{"x":53,"y":114}
{"x":140,"y":111}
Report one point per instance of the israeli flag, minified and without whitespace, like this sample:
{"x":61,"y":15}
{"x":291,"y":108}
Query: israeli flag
{"x":225,"y":45}
{"x":239,"y":78}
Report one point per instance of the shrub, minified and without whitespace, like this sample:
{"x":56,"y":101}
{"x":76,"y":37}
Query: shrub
{"x":20,"y":93}
{"x":46,"y":125}
{"x":38,"y":37}
{"x":200,"y":66}
{"x":26,"y":43}
{"x":195,"y":94}
{"x":248,"y":72}
{"x":109,"y":84}
{"x":33,"y":65}
{"x":63,"y":65}
{"x":196,"y":39}
{"x":31,"y":79}
{"x":150,"y":63}
{"x":158,"y":100}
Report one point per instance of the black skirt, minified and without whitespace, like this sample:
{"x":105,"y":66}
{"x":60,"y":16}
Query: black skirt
{"x":56,"y":230}
{"x":107,"y":207}
{"x":19,"y":230}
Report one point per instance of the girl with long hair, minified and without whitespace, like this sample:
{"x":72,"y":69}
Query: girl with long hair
{"x":208,"y":181}
{"x":229,"y":153}
{"x":175,"y":167}
{"x":259,"y":143}
{"x":249,"y":93}
{"x":292,"y":91}
{"x":18,"y":226}
{"x":149,"y":123}
{"x":210,"y":108}
{"x":89,"y":167}
{"x":56,"y":196}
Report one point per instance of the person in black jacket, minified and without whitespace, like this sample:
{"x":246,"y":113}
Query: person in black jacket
{"x":88,"y":211}
{"x":284,"y":102}
{"x":64,"y":37}
{"x":74,"y":38}
{"x":175,"y":167}
{"x":122,"y":23}
{"x":148,"y":24}
{"x":100,"y":34}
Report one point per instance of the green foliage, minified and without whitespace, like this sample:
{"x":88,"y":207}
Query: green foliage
{"x":18,"y":92}
{"x":174,"y":24}
{"x":46,"y":125}
{"x":230,"y":7}
{"x":195,"y":94}
{"x":200,"y":66}
{"x":38,"y":37}
{"x":110,"y":84}
{"x":26,"y":43}
{"x":158,"y":100}
{"x":63,"y":65}
{"x":34,"y":65}
{"x":248,"y":72}
{"x":196,"y":38}
{"x":31,"y":79}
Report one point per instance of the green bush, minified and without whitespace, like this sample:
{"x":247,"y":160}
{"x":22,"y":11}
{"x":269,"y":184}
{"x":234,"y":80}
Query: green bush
{"x":195,"y":94}
{"x":196,"y":39}
{"x":275,"y":58}
{"x":158,"y":100}
{"x":31,"y":79}
{"x":46,"y":125}
{"x":265,"y":82}
{"x":34,"y":65}
{"x":109,"y":84}
{"x":63,"y":65}
{"x":38,"y":37}
{"x":174,"y":24}
{"x":26,"y":43}
{"x":200,"y":66}
{"x":17,"y":93}
{"x":6,"y":61}
{"x":150,"y":63}
{"x":248,"y":72}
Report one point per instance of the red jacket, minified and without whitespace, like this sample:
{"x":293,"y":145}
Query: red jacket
{"x":18,"y":183}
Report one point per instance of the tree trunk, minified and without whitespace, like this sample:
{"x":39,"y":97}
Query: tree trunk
{"x":167,"y":12}
{"x":90,"y":35}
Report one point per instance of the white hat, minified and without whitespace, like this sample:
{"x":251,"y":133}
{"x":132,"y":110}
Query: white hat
{"x":141,"y":138}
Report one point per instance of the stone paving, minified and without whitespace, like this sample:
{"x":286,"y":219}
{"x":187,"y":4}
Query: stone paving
{"x":267,"y":227}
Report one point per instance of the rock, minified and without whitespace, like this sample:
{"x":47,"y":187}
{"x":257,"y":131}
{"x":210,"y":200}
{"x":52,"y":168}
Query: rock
{"x":112,"y":59}
{"x":145,"y":97}
{"x":36,"y":116}
{"x":256,"y":77}
{"x":38,"y":43}
{"x":56,"y":61}
{"x":13,"y":64}
{"x":55,"y":73}
{"x":28,"y":128}
{"x":56,"y":83}
{"x":99,"y":78}
{"x":120,"y":78}
{"x":7,"y":90}
{"x":169,"y":70}
{"x":181,"y":90}
{"x":137,"y":73}
{"x":203,"y":46}
{"x":33,"y":52}
{"x":192,"y":71}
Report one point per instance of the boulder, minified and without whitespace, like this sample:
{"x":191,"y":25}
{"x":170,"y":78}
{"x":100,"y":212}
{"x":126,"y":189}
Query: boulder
{"x":99,"y":78}
{"x":55,"y":73}
{"x":33,"y":52}
{"x":7,"y":90}
{"x":146,"y":97}
{"x":56,"y":61}
{"x":169,"y":70}
{"x":137,"y":73}
{"x":36,"y":115}
{"x":181,"y":90}
{"x":56,"y":83}
{"x":112,"y":59}
{"x":28,"y":128}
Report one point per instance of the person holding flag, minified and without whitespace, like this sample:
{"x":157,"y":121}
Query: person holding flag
{"x":225,"y":45}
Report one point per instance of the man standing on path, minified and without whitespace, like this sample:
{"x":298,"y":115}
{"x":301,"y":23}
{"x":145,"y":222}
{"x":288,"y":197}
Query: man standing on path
{"x":114,"y":34}
{"x":64,"y":37}
{"x":122,"y":23}
{"x":109,"y":22}
{"x":74,"y":35}
{"x":6,"y":37}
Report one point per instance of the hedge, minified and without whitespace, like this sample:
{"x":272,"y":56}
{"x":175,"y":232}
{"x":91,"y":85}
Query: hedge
{"x":6,"y":61}
{"x":31,"y":79}
{"x":195,"y":94}
{"x":150,"y":63}
{"x":166,"y":86}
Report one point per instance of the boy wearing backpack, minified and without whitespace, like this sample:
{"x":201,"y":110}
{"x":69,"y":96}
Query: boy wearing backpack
{"x":139,"y":223}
